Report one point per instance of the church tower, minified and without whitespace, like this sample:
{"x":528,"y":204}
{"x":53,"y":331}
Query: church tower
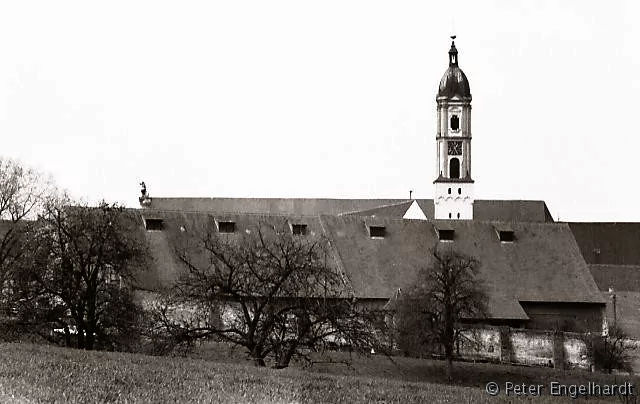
{"x":453,"y":197}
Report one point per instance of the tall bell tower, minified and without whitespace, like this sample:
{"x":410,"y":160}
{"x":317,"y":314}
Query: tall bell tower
{"x":453,"y":197}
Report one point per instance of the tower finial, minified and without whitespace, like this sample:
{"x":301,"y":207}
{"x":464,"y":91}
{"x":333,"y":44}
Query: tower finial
{"x":453,"y":52}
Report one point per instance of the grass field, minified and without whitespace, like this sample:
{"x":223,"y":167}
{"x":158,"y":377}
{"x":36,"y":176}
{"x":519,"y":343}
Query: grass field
{"x":37,"y":373}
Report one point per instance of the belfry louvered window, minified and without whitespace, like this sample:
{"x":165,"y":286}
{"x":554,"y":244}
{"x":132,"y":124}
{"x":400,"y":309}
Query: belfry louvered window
{"x":455,"y":122}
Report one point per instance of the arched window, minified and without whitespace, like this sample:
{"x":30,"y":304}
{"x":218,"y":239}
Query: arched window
{"x":449,"y":191}
{"x":449,"y":215}
{"x":455,"y":122}
{"x":459,"y":191}
{"x":458,"y":215}
{"x":454,"y":168}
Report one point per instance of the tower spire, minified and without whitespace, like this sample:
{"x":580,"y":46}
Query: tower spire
{"x":453,"y":52}
{"x":453,"y":197}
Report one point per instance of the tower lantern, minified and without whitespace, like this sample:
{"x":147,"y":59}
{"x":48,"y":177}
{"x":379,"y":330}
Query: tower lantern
{"x":453,"y":185}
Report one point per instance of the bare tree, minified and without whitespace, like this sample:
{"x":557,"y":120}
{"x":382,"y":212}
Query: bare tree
{"x":22,"y":194}
{"x":446,"y":294}
{"x":613,"y":351}
{"x":81,"y":261}
{"x":269,"y":291}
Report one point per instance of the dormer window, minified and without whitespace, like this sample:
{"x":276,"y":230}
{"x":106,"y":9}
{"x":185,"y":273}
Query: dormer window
{"x":153,"y":224}
{"x":455,"y":123}
{"x":299,"y":229}
{"x":506,"y":236}
{"x":505,"y":233}
{"x":445,"y":234}
{"x":377,"y":231}
{"x":226,"y":227}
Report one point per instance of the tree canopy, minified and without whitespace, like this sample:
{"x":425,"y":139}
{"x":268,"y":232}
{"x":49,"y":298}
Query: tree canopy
{"x":272,"y":292}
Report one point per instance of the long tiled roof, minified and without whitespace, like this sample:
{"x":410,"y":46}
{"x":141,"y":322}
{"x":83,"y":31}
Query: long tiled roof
{"x":295,"y":206}
{"x":507,"y":210}
{"x":543,"y":264}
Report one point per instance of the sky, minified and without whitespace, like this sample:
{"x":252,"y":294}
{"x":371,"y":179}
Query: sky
{"x":330,"y":99}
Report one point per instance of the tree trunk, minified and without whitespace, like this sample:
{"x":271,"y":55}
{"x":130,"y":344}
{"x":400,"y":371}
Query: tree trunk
{"x":258,"y":357}
{"x":90,"y":339}
{"x":449,"y":369}
{"x":80,"y":337}
{"x":285,"y":358}
{"x":67,"y":336}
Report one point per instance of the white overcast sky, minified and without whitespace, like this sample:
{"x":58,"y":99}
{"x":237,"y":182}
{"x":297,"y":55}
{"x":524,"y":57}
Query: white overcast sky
{"x":323,"y":99}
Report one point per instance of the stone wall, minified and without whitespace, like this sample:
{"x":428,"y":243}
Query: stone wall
{"x":526,"y":347}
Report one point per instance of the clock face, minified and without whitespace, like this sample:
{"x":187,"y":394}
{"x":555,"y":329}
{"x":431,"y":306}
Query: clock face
{"x":455,"y":148}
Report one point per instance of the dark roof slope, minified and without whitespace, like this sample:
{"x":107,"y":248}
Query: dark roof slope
{"x":177,"y":226}
{"x":618,"y":277}
{"x":511,"y":211}
{"x":543,"y":264}
{"x":608,"y":243}
{"x":508,"y":210}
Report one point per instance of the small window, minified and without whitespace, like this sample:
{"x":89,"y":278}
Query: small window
{"x":449,"y":191}
{"x":377,"y":231}
{"x":299,"y":229}
{"x":153,"y":224}
{"x":445,"y":235}
{"x":458,"y":215}
{"x":449,"y":215}
{"x":455,"y":122}
{"x":506,"y":236}
{"x":459,"y":191}
{"x":226,"y":227}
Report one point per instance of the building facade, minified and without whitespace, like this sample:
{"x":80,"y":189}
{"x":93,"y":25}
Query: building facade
{"x":535,"y":274}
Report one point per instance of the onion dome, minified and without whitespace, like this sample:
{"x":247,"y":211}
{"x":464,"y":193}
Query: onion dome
{"x":454,"y":83}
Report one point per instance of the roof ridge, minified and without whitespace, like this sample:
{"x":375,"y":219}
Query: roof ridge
{"x":214,"y":212}
{"x":276,"y":198}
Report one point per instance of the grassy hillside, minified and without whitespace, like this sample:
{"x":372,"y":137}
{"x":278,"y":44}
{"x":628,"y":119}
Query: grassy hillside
{"x":33,"y":373}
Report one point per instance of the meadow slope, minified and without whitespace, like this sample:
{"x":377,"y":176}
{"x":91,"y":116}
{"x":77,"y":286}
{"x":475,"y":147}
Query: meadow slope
{"x":38,"y":373}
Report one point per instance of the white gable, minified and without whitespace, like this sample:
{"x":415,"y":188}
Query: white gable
{"x":414,"y":212}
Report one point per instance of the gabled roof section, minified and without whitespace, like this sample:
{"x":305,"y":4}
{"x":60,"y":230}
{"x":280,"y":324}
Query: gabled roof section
{"x":414,"y":212}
